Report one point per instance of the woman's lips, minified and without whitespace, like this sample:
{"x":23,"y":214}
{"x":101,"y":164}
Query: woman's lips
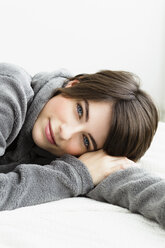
{"x":48,"y":134}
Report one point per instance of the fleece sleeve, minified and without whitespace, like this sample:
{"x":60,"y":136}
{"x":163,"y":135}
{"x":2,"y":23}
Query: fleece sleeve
{"x":136,"y":190}
{"x":15,"y":95}
{"x":31,"y":184}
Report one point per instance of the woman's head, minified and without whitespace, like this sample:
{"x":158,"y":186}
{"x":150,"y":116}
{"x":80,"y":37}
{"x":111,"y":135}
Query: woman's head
{"x":134,"y":117}
{"x":77,"y":126}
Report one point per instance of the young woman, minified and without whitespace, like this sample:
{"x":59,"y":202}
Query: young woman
{"x":64,"y":136}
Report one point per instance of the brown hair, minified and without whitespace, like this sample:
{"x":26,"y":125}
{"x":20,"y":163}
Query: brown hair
{"x":134,"y":116}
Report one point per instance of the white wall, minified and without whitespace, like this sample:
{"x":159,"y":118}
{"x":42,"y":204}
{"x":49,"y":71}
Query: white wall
{"x":163,"y":76}
{"x":86,"y":36}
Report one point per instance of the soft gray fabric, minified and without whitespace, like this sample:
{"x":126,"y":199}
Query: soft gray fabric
{"x":30,"y":175}
{"x":136,"y":190}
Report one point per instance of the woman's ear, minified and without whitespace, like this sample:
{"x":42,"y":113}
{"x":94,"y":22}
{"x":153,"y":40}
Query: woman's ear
{"x":71,"y":83}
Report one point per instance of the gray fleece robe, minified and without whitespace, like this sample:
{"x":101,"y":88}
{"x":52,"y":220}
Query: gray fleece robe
{"x":30,"y":175}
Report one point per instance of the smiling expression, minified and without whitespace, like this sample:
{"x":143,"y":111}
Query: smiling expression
{"x":66,"y":125}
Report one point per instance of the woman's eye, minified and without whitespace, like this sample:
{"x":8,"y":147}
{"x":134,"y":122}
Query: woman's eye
{"x":79,"y":110}
{"x":86,"y":141}
{"x":80,"y":113}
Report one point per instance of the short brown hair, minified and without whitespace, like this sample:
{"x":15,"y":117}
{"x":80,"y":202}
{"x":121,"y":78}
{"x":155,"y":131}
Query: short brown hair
{"x":134,"y":115}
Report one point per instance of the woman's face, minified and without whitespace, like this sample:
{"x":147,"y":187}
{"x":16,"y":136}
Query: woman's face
{"x":66,"y":125}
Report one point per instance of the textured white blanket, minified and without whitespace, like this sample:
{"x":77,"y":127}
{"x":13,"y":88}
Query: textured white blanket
{"x":77,"y":223}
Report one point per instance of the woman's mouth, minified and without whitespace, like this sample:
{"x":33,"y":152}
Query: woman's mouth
{"x":49,"y":135}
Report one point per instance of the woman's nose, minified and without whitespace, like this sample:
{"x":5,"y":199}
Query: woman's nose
{"x":67,"y":131}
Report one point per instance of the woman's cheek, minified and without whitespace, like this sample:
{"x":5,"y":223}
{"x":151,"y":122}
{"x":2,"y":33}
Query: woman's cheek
{"x":73,"y":149}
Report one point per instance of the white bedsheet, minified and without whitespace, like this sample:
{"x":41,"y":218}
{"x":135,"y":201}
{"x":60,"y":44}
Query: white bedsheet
{"x":154,"y":158}
{"x":82,"y":222}
{"x":77,"y":223}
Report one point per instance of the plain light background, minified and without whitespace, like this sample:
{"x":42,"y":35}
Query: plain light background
{"x":87,"y":36}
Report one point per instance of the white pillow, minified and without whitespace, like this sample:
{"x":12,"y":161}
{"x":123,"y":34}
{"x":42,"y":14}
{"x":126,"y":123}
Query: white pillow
{"x":154,"y":159}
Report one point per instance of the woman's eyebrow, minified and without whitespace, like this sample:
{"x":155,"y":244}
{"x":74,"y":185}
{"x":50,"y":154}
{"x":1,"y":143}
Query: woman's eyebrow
{"x":86,"y":119}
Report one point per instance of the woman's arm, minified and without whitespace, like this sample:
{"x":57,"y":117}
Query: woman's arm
{"x":31,"y":184}
{"x":15,"y":95}
{"x":121,"y":182}
{"x":132,"y":188}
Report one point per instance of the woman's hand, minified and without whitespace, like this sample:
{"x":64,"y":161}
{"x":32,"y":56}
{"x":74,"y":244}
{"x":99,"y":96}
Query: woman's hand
{"x":100,"y":165}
